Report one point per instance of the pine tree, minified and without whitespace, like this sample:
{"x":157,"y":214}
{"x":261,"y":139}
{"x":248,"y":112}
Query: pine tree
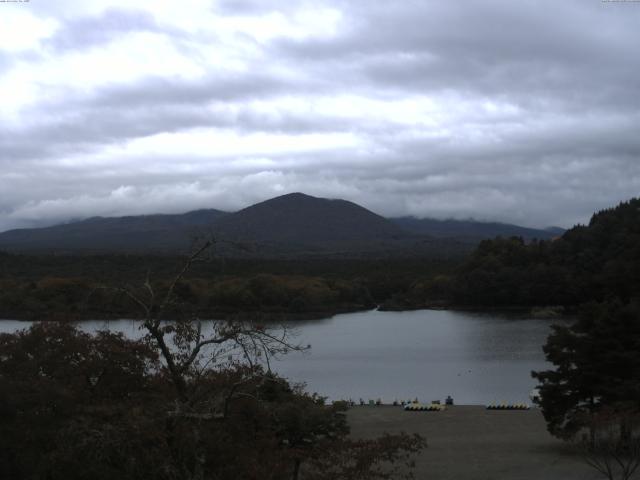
{"x":597,"y":362}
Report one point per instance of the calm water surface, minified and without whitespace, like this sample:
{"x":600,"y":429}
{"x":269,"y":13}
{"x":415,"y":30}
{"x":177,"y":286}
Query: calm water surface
{"x":475,"y":358}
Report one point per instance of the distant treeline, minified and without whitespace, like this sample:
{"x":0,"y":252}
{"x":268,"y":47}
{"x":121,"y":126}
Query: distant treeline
{"x":75,"y":287}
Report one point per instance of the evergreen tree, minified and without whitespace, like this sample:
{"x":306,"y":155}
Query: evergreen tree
{"x":597,"y":362}
{"x":596,"y":262}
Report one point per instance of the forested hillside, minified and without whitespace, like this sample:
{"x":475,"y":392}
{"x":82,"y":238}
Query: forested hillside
{"x":593,"y":262}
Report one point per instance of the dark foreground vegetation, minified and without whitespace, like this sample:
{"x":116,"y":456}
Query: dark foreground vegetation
{"x":75,"y":406}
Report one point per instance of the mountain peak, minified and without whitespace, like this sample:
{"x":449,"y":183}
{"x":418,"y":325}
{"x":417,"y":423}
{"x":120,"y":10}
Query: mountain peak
{"x":291,"y":197}
{"x":289,"y":223}
{"x":301,"y":219}
{"x":294,"y":195}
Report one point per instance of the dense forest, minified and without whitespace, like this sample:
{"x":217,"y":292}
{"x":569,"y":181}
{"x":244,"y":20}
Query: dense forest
{"x":73,"y":287}
{"x":593,"y":262}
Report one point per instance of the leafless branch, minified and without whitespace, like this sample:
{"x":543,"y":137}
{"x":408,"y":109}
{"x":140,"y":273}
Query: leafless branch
{"x":182,"y":343}
{"x":608,"y":449}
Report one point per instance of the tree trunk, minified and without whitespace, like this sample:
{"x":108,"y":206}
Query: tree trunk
{"x":296,"y":469}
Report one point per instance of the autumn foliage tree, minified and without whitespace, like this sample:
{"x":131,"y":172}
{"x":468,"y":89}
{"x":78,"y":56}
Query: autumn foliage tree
{"x":190,"y":400}
{"x":67,"y":397}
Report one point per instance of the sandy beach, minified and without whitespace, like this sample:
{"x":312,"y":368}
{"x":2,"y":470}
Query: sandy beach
{"x":470,"y":442}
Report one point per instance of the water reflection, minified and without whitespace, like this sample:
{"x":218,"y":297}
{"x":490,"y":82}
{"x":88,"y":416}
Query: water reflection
{"x":476,"y":358}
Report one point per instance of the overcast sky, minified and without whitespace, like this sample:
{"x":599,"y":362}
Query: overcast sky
{"x":519,"y":111}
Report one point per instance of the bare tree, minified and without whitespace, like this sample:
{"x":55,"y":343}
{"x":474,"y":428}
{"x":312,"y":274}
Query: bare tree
{"x":188,"y":346}
{"x":212,"y":363}
{"x":612,"y":446}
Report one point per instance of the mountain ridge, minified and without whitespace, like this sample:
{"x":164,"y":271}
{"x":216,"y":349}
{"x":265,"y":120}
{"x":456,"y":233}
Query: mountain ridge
{"x":294,"y":223}
{"x":473,"y":229}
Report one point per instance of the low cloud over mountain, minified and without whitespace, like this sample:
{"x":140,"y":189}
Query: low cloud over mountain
{"x":289,"y":225}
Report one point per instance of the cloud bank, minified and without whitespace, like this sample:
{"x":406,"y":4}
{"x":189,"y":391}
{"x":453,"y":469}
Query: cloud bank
{"x":523,"y":112}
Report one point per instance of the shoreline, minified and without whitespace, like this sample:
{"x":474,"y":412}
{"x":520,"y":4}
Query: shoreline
{"x":528,"y":313}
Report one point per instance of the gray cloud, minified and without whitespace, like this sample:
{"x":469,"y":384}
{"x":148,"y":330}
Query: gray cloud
{"x":5,"y":62}
{"x":155,"y":105}
{"x":162,"y":91}
{"x":251,"y":7}
{"x":566,"y":51}
{"x":88,"y":32}
{"x":533,"y":115}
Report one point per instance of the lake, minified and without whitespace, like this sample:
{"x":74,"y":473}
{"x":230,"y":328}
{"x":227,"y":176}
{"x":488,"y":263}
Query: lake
{"x":477,"y":358}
